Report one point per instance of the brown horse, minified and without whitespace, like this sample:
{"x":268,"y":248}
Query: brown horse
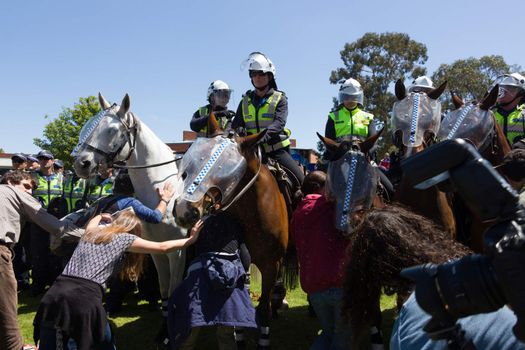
{"x":475,"y":123}
{"x":228,"y":169}
{"x":415,"y":120}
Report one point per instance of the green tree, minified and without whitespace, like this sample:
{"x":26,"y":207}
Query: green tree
{"x":470,"y":78}
{"x":61,"y":134}
{"x":378,"y":60}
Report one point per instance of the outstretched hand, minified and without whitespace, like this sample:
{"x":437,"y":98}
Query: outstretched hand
{"x":166,"y":192}
{"x":195,"y":230}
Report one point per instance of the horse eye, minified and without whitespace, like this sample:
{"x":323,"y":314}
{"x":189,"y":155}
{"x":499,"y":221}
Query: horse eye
{"x":184,"y":175}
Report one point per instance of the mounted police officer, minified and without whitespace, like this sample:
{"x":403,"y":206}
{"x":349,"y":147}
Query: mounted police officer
{"x":421,"y":84}
{"x":49,"y":194}
{"x":509,"y":110}
{"x":348,"y":120}
{"x":218,"y":96}
{"x":266,"y":108}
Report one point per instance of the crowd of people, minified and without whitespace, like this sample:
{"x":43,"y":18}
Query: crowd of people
{"x":72,"y":263}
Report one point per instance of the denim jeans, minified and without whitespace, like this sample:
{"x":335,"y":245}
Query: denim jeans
{"x":49,"y":337}
{"x":336,"y":335}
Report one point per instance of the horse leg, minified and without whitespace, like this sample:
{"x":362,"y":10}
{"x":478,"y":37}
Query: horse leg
{"x":162,"y":265}
{"x":263,"y":311}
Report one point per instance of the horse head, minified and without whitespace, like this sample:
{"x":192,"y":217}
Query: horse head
{"x":473,"y":122}
{"x":212,"y":170}
{"x":416,"y":117}
{"x":106,"y":138}
{"x":352,"y":180}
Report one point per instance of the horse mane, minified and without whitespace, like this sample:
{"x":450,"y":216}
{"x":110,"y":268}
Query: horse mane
{"x":388,"y":240}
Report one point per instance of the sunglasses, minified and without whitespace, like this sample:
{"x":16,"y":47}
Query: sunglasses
{"x":256,"y":73}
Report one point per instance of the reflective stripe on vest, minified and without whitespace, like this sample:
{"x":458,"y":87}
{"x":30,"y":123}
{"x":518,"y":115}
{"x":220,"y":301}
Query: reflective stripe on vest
{"x":515,"y":122}
{"x":98,"y":191}
{"x":350,"y":123}
{"x":257,"y":120}
{"x":204,"y":112}
{"x":74,"y":192}
{"x":47,"y":190}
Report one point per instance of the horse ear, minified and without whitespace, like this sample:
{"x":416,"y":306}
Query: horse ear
{"x":458,"y":102}
{"x":400,"y":90}
{"x":490,"y":99}
{"x":330,"y":144}
{"x":103,"y":102}
{"x":251,"y":141}
{"x":213,"y":126}
{"x":435,"y":93}
{"x":367,"y":144}
{"x":124,"y":106}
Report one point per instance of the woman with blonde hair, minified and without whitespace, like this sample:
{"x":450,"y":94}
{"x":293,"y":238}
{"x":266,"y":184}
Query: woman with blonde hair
{"x":71,"y":311}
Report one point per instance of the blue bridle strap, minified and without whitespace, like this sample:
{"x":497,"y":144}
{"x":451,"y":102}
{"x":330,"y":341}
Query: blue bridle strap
{"x":459,"y":121}
{"x":413,"y":124}
{"x":349,"y":189}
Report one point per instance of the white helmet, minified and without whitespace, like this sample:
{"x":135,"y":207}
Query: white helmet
{"x":257,"y":61}
{"x":220,"y":91}
{"x":514,"y":79}
{"x":421,"y":84}
{"x":351,"y":90}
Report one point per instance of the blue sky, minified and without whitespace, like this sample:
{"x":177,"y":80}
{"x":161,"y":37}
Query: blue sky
{"x":166,"y":53}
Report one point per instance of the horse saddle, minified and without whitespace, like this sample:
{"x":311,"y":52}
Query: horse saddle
{"x":289,"y":185}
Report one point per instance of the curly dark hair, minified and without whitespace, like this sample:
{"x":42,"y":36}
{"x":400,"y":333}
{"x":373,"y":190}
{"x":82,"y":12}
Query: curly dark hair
{"x":14,"y":177}
{"x":513,"y":165}
{"x":388,"y":240}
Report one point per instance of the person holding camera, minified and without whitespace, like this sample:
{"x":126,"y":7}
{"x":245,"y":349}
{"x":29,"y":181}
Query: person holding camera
{"x":475,"y":284}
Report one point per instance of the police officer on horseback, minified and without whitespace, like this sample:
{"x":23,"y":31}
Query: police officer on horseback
{"x":509,"y":110}
{"x":266,"y":108}
{"x":348,"y":120}
{"x":421,"y":84}
{"x":218,"y":96}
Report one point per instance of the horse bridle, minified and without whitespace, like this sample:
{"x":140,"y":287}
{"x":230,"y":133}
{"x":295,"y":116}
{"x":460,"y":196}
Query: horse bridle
{"x":131,"y":138}
{"x":244,"y":189}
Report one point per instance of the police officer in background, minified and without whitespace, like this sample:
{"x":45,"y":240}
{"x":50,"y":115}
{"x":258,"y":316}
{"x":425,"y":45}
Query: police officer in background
{"x":509,"y":110}
{"x":101,"y":185}
{"x":218,"y":96}
{"x":49,"y":193}
{"x":266,"y":108}
{"x":19,"y":162}
{"x":32,"y":163}
{"x":58,"y":166}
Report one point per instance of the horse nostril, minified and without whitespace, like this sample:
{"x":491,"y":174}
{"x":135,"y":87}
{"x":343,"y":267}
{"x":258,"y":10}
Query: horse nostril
{"x":85,"y":164}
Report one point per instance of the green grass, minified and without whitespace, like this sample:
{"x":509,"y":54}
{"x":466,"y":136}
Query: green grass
{"x":137,"y":326}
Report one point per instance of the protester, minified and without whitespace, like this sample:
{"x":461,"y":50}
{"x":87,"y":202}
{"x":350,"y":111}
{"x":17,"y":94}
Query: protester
{"x":16,"y":207}
{"x":72,"y":307}
{"x":214,"y":292}
{"x":513,"y":168}
{"x":321,"y":252}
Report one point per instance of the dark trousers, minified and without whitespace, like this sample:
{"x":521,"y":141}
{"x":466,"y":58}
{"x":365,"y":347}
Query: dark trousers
{"x":46,"y":266}
{"x":283,"y":157}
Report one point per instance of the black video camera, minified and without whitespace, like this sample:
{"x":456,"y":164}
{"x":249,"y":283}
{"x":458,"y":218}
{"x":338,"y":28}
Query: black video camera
{"x":476,"y":283}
